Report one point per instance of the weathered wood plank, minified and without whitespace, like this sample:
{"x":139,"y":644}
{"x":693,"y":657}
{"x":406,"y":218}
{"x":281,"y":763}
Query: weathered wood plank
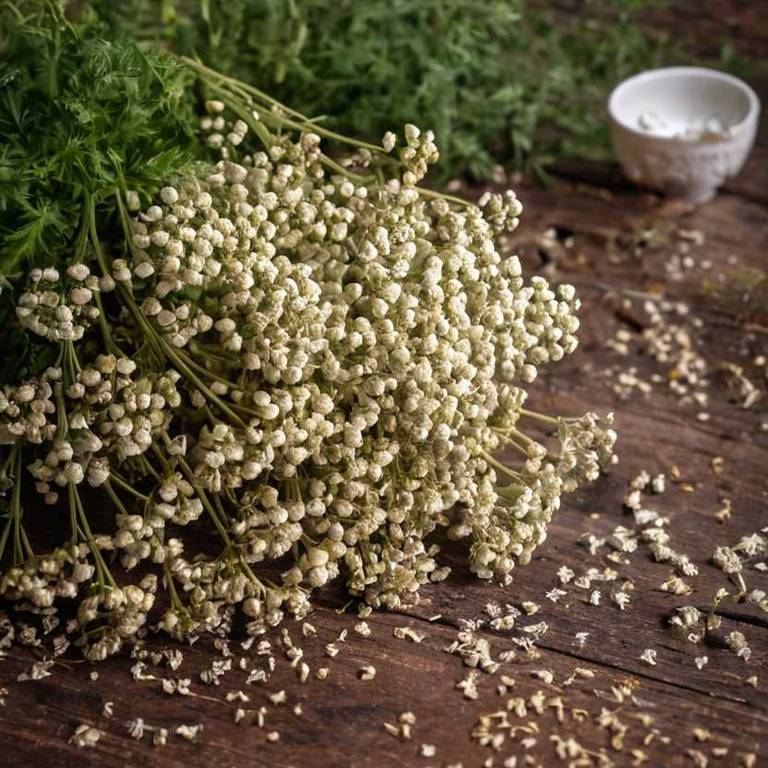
{"x":342,"y":720}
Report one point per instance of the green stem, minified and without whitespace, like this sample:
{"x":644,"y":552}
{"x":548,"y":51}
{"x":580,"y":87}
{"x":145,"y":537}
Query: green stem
{"x":204,"y":371}
{"x":73,"y":514}
{"x":334,"y":166}
{"x":256,"y":125}
{"x":509,"y":441}
{"x":89,"y":228}
{"x":301,"y":122}
{"x":206,"y":503}
{"x":251,"y":575}
{"x":432,"y":194}
{"x":10,"y":522}
{"x":73,"y":361}
{"x":101,"y":565}
{"x":501,"y":467}
{"x":115,"y":498}
{"x":540,"y":417}
{"x":113,"y":476}
{"x":4,"y":537}
{"x":20,"y":542}
{"x":176,"y":602}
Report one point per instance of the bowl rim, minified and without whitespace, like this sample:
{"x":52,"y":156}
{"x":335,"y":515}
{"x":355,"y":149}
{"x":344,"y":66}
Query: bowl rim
{"x":714,"y":74}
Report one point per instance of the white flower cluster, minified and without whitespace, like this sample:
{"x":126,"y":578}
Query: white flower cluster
{"x":26,"y":411}
{"x":57,"y":575}
{"x":60,"y":310}
{"x":329,"y":364}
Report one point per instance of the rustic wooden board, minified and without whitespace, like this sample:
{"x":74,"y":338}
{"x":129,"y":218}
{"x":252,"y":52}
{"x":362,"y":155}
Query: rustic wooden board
{"x":342,"y":720}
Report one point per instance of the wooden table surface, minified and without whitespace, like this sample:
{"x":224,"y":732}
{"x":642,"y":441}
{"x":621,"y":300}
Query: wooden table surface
{"x":615,"y":244}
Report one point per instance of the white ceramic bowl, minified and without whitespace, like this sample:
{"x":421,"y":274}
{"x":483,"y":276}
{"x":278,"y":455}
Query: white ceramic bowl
{"x":683,"y":130}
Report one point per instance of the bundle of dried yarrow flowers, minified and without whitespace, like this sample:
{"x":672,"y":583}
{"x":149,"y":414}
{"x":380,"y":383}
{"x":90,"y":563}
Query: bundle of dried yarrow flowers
{"x":318,"y":363}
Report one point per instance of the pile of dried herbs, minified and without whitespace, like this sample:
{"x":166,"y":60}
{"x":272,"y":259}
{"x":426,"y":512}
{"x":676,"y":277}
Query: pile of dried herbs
{"x":221,"y":333}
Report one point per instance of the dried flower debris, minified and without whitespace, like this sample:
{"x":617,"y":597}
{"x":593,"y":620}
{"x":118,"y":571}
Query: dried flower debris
{"x":86,"y":736}
{"x":407,"y":633}
{"x":367,"y":672}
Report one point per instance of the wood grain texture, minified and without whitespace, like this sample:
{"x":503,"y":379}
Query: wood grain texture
{"x":342,"y":720}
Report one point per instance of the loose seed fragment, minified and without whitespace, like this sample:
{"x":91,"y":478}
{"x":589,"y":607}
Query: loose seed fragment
{"x":86,"y":736}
